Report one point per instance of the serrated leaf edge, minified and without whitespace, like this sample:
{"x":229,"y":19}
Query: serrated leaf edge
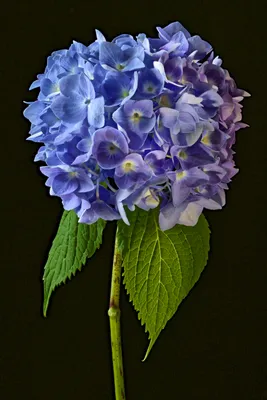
{"x":139,"y":313}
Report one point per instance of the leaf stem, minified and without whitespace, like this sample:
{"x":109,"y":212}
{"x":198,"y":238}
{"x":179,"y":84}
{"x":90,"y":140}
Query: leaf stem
{"x":114,"y":320}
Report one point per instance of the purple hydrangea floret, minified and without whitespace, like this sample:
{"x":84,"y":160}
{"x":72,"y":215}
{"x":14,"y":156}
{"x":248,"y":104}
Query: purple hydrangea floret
{"x":137,"y":122}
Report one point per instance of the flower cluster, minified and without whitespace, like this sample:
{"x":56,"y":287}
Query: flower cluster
{"x":140,"y":122}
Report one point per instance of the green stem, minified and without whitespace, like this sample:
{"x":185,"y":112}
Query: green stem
{"x":114,"y":320}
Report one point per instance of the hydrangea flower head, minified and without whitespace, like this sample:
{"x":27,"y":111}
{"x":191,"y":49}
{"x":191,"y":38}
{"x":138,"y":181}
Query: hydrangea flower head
{"x":137,"y":122}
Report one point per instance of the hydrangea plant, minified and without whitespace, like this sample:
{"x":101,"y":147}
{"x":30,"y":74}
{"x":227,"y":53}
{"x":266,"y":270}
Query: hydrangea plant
{"x":138,"y":130}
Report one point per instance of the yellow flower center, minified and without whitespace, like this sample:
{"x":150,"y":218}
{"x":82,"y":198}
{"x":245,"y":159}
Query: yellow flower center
{"x":182,"y":154}
{"x":180,"y":174}
{"x":56,"y":87}
{"x":112,"y":148}
{"x":183,"y":80}
{"x":125,"y":93}
{"x":128,"y":166}
{"x":149,"y":88}
{"x":119,"y":67}
{"x":136,"y":117}
{"x":151,"y":199}
{"x":165,"y":101}
{"x":205,"y":140}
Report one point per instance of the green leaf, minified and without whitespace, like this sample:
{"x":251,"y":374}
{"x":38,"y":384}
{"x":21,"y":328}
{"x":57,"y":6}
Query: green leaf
{"x":160,"y":268}
{"x":73,"y":244}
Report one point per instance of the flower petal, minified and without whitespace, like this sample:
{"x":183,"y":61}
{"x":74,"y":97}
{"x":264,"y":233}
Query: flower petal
{"x":70,"y":109}
{"x":189,"y":216}
{"x":96,"y":112}
{"x":104,"y":211}
{"x":69,"y":85}
{"x":70,"y":201}
{"x":169,"y":216}
{"x":33,"y":111}
{"x":86,"y":88}
{"x":64,"y":184}
{"x":110,"y":55}
{"x":180,"y":192}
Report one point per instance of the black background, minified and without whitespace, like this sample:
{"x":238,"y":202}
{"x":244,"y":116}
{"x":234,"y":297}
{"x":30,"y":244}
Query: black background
{"x":215,"y":347}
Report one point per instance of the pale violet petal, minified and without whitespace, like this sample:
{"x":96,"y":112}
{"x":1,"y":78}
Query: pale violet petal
{"x":99,"y":36}
{"x":190,"y":215}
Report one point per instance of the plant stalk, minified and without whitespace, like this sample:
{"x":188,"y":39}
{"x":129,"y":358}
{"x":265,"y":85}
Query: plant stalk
{"x":114,"y":320}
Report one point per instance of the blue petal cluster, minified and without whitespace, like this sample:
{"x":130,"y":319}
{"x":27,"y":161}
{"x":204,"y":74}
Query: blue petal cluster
{"x":143,"y":122}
